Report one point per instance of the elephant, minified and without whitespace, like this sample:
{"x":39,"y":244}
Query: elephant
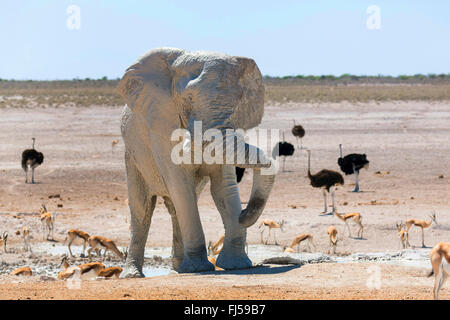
{"x":170,"y":89}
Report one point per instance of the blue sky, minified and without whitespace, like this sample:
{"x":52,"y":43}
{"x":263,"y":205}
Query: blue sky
{"x":284,"y":37}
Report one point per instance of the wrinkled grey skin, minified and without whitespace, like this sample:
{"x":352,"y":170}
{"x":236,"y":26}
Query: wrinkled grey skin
{"x":168,"y":89}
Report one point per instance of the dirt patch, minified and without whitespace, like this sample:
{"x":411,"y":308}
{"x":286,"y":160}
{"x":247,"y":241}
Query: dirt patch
{"x":406,"y":139}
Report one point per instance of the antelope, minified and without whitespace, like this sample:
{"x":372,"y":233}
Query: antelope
{"x":440,"y":261}
{"x":422,"y":224}
{"x":213,"y":251}
{"x":299,"y":239}
{"x":24,"y":271}
{"x":355,"y":217}
{"x":3,"y":240}
{"x":212,"y":248}
{"x":86,"y":270}
{"x":72,"y":234}
{"x":109,"y":272}
{"x":26,"y":238}
{"x":213,"y":261}
{"x":402,"y":235}
{"x":47,"y":220}
{"x":271,"y":225}
{"x":97,"y":241}
{"x":332,"y":234}
{"x":113,"y":144}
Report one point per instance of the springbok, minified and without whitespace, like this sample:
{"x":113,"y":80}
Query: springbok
{"x":73,"y":234}
{"x":213,"y":251}
{"x":109,"y":272}
{"x":271,"y":225}
{"x":113,"y":144}
{"x":24,"y":271}
{"x":402,"y":235}
{"x":332,"y":234}
{"x":299,"y":239}
{"x":86,"y":270}
{"x":97,"y":243}
{"x":440,"y":261}
{"x":26,"y":238}
{"x":355,"y":217}
{"x":47,"y":220}
{"x":212,"y":248}
{"x":3,"y":240}
{"x":422,"y":224}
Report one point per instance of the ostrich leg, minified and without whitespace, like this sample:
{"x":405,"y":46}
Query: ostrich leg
{"x":325,"y":201}
{"x":284,"y":162}
{"x":32,"y":175}
{"x":356,"y":173}
{"x":332,"y":199}
{"x":423,"y":239}
{"x":26,"y":175}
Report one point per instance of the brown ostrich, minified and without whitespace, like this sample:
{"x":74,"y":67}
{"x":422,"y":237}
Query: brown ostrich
{"x":326,"y":180}
{"x":299,"y":132}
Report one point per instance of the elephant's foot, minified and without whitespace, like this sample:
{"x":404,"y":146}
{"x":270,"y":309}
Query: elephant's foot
{"x":195,"y":264}
{"x":230,"y":261}
{"x":132,"y":271}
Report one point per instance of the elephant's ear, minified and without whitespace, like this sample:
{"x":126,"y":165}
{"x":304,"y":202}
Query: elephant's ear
{"x":151,"y":71}
{"x":130,"y":87}
{"x":249,"y":107}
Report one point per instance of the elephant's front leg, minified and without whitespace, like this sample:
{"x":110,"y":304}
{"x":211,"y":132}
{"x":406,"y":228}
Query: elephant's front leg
{"x":225,"y":193}
{"x":142,"y":205}
{"x":177,"y":242}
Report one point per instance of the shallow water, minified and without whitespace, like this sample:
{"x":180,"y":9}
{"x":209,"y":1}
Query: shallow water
{"x":257,"y":253}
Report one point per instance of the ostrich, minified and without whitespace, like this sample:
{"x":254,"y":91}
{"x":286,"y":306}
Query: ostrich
{"x":325,"y":179}
{"x":352,"y":163}
{"x":284,"y":149}
{"x":31,"y":158}
{"x":299,"y":132}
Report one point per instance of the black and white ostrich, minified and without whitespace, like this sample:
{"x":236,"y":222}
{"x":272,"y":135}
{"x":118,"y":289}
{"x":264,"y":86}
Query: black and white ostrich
{"x":352,"y":163}
{"x":31,"y":158}
{"x":326,"y":180}
{"x":299,"y":132}
{"x":283,"y":149}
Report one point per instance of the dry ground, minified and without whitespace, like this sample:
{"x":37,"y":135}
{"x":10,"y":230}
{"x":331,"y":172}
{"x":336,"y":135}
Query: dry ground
{"x":406,"y":142}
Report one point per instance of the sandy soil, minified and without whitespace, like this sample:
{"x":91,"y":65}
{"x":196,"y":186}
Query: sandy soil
{"x":406,"y":143}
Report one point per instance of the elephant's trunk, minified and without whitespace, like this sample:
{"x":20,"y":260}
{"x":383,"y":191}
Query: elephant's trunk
{"x":262,"y":185}
{"x":249,"y":156}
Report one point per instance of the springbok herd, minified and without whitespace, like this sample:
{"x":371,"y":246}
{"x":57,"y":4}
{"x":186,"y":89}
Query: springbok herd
{"x":439,"y":255}
{"x":84,"y":271}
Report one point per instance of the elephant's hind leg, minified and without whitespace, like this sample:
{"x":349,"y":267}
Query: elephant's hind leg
{"x":142,"y":205}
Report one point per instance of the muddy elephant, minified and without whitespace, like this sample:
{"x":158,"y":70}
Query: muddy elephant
{"x":168,"y":90}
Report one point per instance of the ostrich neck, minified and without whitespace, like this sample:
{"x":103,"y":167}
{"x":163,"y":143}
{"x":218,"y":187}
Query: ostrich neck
{"x":309,"y":164}
{"x":340,"y":151}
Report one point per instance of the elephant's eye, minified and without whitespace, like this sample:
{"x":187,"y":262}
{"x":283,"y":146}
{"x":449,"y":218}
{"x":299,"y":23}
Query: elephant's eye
{"x":189,"y":97}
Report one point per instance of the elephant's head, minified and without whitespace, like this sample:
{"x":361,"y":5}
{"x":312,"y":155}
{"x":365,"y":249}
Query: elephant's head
{"x":221,"y":91}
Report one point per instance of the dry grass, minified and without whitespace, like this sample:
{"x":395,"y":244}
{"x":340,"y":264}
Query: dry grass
{"x":357,"y":93}
{"x":83,"y":93}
